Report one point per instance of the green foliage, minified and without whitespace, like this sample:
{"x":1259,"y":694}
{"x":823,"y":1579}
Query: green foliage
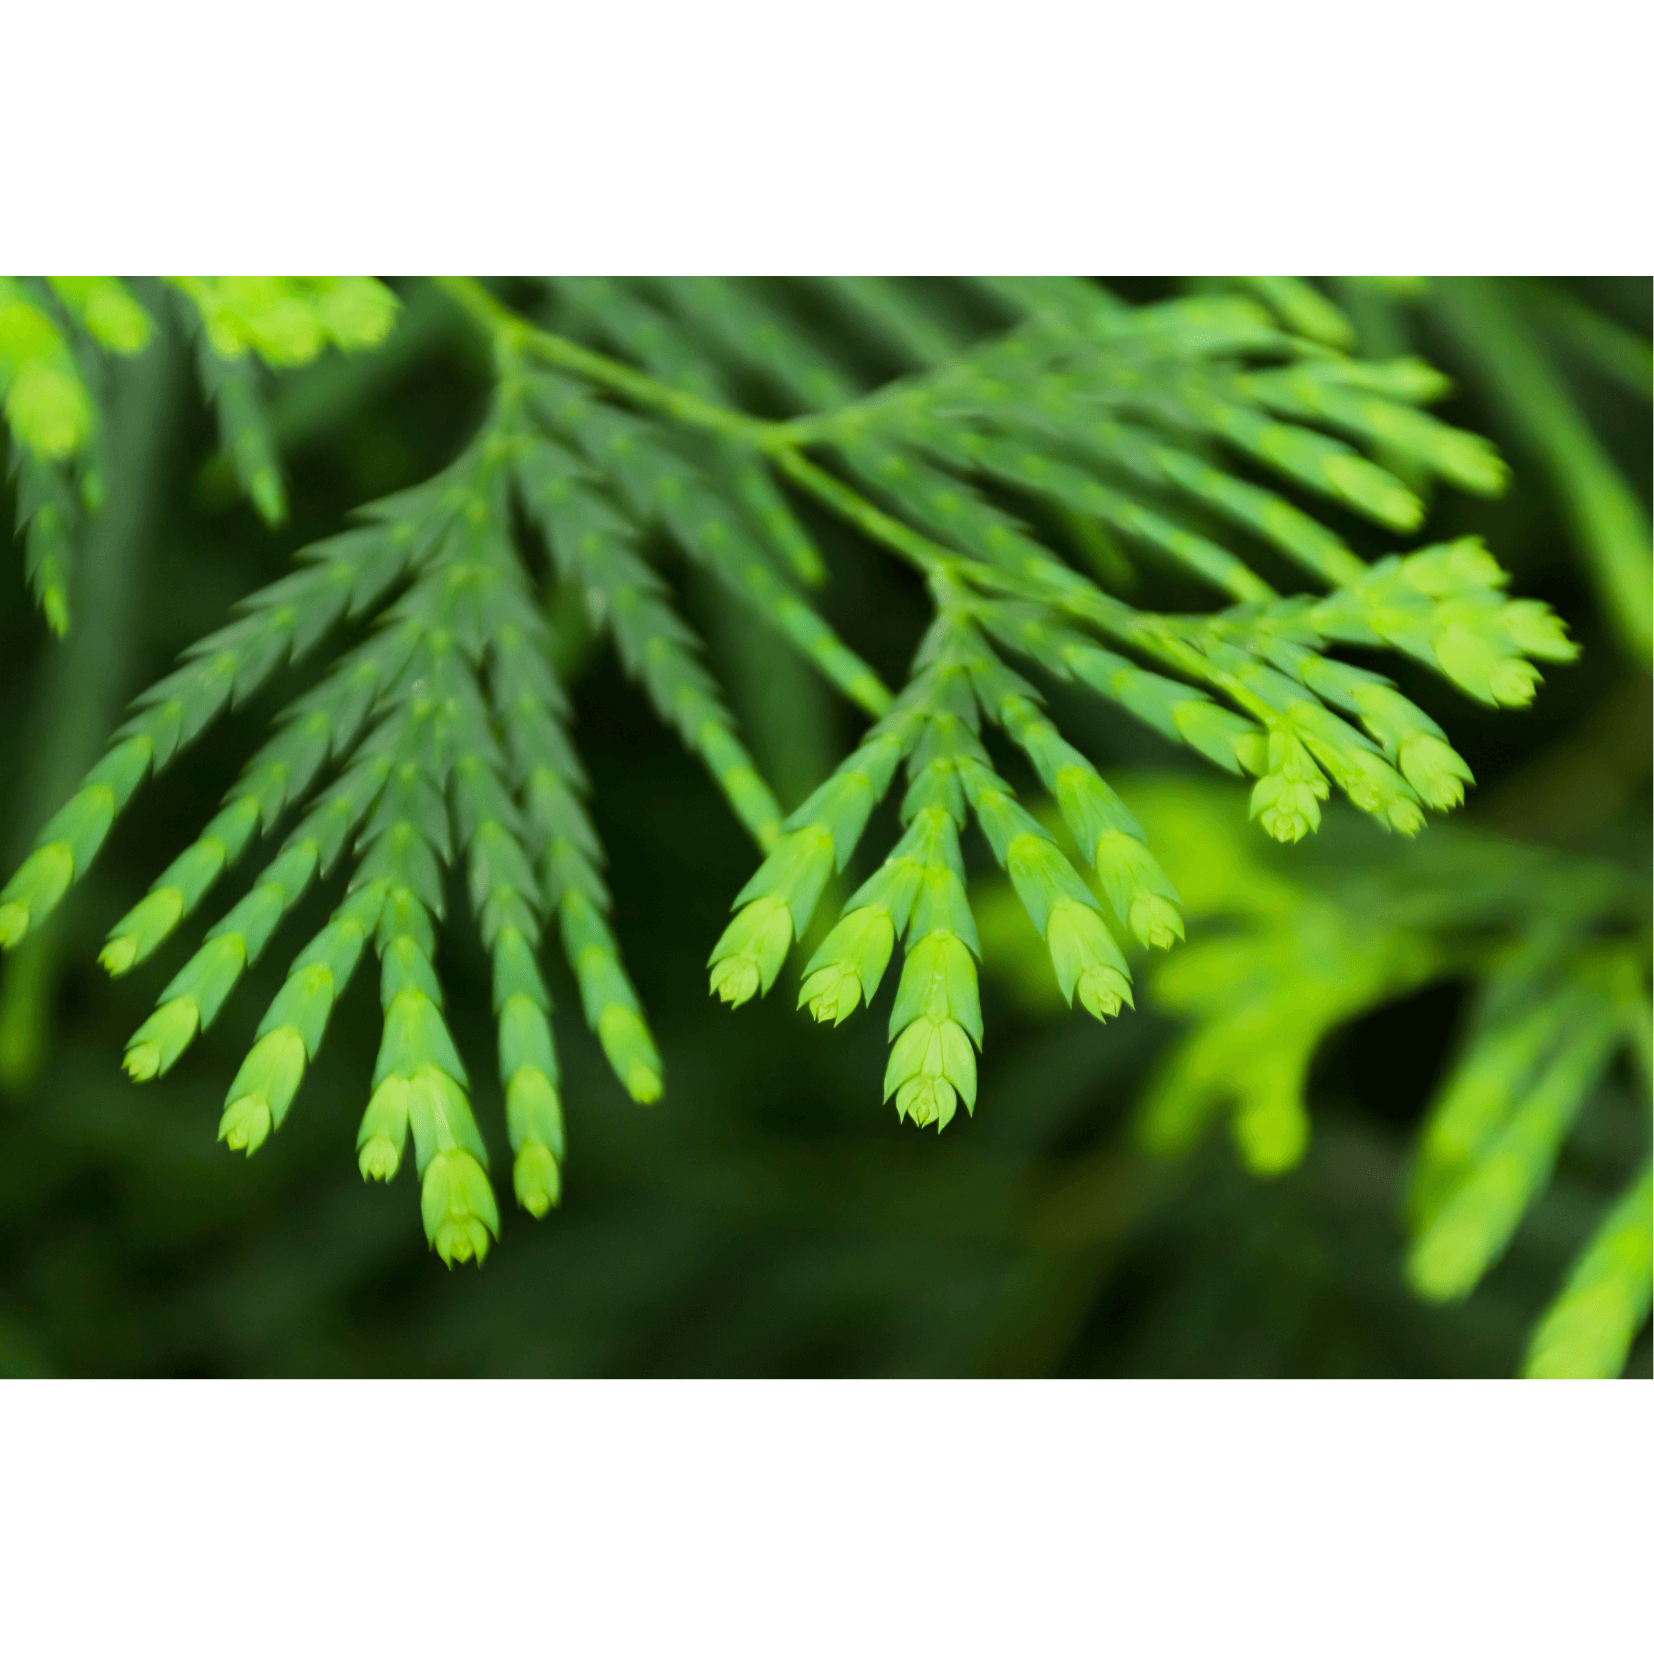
{"x":48,"y":376}
{"x":1037,"y":419}
{"x":287,"y":321}
{"x":1587,"y":1331}
{"x":1608,"y":520}
{"x":1286,"y":951}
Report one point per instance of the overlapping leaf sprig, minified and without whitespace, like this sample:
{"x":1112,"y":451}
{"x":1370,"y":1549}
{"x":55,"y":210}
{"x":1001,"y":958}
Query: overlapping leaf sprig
{"x":54,"y":338}
{"x":445,"y":733}
{"x":1555,"y":950}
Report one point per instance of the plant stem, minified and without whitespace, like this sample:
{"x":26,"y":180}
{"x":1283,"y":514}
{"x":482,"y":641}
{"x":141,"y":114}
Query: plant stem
{"x":780,"y":441}
{"x":512,"y":334}
{"x":907,"y":543}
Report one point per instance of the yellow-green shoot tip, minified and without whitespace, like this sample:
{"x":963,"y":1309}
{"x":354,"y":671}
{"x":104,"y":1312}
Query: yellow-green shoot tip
{"x":379,"y":1159}
{"x":143,"y":1060}
{"x":735,"y":980}
{"x":1102,"y":991}
{"x":246,"y":1124}
{"x":1155,"y":922}
{"x":536,"y":1179}
{"x":1513,"y":682}
{"x":460,"y":1239}
{"x":1405,"y":817}
{"x":831,"y":993}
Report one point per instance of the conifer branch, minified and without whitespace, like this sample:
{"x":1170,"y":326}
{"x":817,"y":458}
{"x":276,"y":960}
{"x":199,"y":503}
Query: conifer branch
{"x":445,"y":736}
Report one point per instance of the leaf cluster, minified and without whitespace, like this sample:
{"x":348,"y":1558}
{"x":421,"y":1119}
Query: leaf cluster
{"x":54,"y":335}
{"x":1040,"y":438}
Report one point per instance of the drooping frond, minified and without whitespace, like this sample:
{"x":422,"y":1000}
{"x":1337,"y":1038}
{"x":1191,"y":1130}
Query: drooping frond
{"x":1040,"y":429}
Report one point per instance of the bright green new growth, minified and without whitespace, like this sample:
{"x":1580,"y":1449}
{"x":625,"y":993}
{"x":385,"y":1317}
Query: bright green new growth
{"x":1494,"y":1133}
{"x":1587,"y":1331}
{"x":240,"y":322}
{"x":47,"y":332}
{"x":937,"y":1016}
{"x":1062,"y":418}
{"x":1292,"y":949}
{"x":51,"y":334}
{"x":534,"y":712}
{"x":287,"y":321}
{"x":47,"y":404}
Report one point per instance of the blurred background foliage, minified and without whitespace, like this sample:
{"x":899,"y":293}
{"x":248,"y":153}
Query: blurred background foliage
{"x":769,"y":1218}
